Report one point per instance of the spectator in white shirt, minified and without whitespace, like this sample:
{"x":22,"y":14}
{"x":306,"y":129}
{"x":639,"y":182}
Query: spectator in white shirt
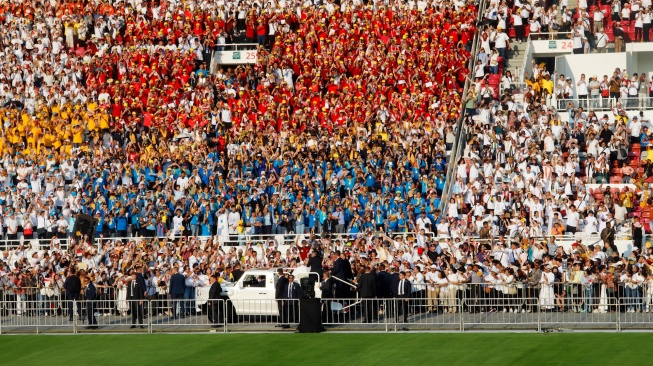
{"x":582,"y":91}
{"x":501,"y":42}
{"x":601,"y":41}
{"x":424,"y":223}
{"x":572,"y":220}
{"x":635,"y":129}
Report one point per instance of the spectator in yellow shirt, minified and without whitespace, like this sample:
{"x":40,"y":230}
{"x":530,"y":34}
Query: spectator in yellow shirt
{"x":547,"y":84}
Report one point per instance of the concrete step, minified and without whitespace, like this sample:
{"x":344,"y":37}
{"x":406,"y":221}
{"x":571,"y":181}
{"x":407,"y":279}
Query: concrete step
{"x":516,"y":56}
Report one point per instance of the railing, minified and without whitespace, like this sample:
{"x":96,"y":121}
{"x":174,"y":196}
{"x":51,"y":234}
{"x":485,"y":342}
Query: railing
{"x":636,"y":103}
{"x":226,"y":240}
{"x":546,"y":36}
{"x":491,"y":310}
{"x":279,"y":239}
{"x":583,"y":237}
{"x":237,"y":46}
{"x":518,"y":88}
{"x":490,"y":306}
{"x":588,"y":104}
{"x":525,"y":61}
{"x":261,"y":314}
{"x":461,"y":133}
{"x":602,"y":104}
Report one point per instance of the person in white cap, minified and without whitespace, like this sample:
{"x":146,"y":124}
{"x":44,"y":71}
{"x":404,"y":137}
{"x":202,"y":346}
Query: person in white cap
{"x":432,"y":289}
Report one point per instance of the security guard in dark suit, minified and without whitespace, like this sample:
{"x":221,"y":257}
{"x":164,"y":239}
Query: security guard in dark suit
{"x":135,"y":297}
{"x":367,"y":290}
{"x":290,"y":302}
{"x":281,"y":284}
{"x":90,"y":295}
{"x":214,"y":296}
{"x":403,"y":294}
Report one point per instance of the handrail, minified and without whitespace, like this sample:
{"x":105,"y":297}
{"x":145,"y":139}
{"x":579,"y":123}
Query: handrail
{"x":455,"y":150}
{"x":520,"y":88}
{"x":238,"y":46}
{"x":524,"y":64}
{"x":227,"y":240}
{"x":549,"y":34}
{"x":345,"y":282}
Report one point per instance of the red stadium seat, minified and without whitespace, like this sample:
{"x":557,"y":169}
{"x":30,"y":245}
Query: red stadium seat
{"x":607,"y":10}
{"x":494,"y":79}
{"x":631,"y":34}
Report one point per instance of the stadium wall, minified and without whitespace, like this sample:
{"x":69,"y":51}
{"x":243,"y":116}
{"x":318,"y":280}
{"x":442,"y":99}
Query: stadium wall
{"x":590,"y":64}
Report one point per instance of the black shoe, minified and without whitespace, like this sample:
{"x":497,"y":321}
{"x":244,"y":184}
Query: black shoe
{"x":132,"y":327}
{"x":89,"y":327}
{"x":143,"y":327}
{"x":70,"y":319}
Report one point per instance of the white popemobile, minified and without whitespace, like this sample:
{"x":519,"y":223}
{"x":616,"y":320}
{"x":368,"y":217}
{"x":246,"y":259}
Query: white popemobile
{"x":253,"y":293}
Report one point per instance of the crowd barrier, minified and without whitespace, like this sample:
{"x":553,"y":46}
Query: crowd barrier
{"x":599,"y":104}
{"x":227,"y":240}
{"x":452,"y":314}
{"x":280,"y":239}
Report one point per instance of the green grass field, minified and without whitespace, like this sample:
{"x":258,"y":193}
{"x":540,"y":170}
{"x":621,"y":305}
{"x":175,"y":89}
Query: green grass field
{"x":327,"y":349}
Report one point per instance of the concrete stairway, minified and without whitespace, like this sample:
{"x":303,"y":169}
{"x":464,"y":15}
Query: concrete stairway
{"x":516,"y":56}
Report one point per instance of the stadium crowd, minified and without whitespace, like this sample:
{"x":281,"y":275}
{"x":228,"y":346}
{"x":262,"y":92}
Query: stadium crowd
{"x":109,"y":109}
{"x":342,"y":126}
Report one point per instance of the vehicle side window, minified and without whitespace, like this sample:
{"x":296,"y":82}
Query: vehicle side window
{"x":254,"y":281}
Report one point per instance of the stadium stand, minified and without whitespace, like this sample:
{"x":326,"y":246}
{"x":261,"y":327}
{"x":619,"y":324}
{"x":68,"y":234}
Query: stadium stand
{"x":344,"y":136}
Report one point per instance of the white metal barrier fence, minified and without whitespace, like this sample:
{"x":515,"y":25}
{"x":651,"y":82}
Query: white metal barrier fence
{"x":391,"y":314}
{"x":226,"y":240}
{"x":261,"y":314}
{"x":593,"y":314}
{"x":501,"y":313}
